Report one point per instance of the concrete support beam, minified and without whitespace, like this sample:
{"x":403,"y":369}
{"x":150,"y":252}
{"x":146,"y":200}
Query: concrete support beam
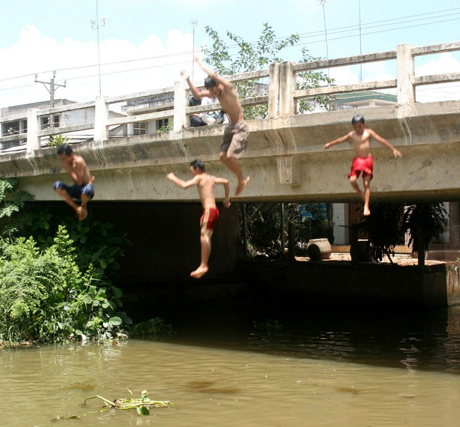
{"x":180,"y":105}
{"x":33,"y":142}
{"x":286,"y":171}
{"x":101,"y":115}
{"x":274,"y":91}
{"x":286,"y":89}
{"x":405,"y":60}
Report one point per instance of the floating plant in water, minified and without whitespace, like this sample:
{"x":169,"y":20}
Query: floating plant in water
{"x":142,"y":404}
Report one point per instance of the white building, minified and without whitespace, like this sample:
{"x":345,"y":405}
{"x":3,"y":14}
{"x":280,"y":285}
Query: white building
{"x":64,"y":119}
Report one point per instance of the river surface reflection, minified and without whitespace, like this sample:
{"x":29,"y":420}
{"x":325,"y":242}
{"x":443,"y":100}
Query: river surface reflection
{"x":319,"y":369}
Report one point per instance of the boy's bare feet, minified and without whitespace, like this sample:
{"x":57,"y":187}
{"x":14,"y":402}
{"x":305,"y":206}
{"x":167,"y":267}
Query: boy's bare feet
{"x":367,"y":211}
{"x":241,"y":185}
{"x":82,"y":213}
{"x":199,"y":272}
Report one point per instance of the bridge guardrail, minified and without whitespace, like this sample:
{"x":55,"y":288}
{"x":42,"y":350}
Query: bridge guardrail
{"x":282,"y":95}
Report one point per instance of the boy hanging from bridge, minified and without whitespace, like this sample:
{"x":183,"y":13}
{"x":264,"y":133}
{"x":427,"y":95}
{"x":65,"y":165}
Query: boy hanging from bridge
{"x":82,"y":189}
{"x":363,"y":160}
{"x":236,"y":133}
{"x":205,"y":185}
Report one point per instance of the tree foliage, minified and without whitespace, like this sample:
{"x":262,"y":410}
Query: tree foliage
{"x":424,"y":222}
{"x":264,"y":225}
{"x":383,"y":228}
{"x":11,"y":201}
{"x":45,"y":296}
{"x":258,"y":56}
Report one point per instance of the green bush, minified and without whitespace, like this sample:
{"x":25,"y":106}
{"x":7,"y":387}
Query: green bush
{"x":97,"y":243}
{"x":45,"y":296}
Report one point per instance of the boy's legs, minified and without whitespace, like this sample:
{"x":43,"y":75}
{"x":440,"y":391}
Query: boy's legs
{"x":367,"y":194}
{"x":355,"y":185}
{"x":235,"y":167}
{"x":205,"y":239}
{"x":82,"y":211}
{"x":86,"y":195}
{"x":60,"y":189}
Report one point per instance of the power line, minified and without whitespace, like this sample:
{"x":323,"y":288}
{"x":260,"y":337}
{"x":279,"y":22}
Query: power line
{"x":337,"y":30}
{"x":301,"y":44}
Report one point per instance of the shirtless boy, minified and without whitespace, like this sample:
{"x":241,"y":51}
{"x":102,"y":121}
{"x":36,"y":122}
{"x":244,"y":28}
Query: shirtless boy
{"x":82,"y":189}
{"x":205,"y":184}
{"x":236,"y":134}
{"x":363,"y":161}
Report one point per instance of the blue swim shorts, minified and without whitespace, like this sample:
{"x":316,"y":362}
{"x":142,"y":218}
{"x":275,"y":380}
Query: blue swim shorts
{"x":75,"y":191}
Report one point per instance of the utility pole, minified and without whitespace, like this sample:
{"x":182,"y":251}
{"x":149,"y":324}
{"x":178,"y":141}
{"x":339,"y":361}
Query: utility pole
{"x":194,"y":23}
{"x":95,"y":25}
{"x":323,"y":2}
{"x":53,"y":87}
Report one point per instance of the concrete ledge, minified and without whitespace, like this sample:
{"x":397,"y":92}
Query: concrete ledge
{"x":364,"y":285}
{"x":285,"y":159}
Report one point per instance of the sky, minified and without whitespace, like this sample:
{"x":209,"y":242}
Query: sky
{"x":37,"y":37}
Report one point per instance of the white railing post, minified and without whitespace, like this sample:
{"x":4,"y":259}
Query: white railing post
{"x":101,"y":114}
{"x":405,"y":64}
{"x":33,"y":142}
{"x":274,"y":91}
{"x":180,"y":104}
{"x":287,"y":87}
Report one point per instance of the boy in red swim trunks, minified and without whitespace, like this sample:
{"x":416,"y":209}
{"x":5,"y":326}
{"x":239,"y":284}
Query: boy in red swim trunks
{"x":363,"y":161}
{"x":205,"y":184}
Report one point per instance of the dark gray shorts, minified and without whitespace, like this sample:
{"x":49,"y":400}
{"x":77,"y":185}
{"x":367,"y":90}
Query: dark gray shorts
{"x":235,"y":140}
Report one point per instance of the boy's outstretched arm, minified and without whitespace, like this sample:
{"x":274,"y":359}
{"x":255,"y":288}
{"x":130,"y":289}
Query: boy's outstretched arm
{"x":211,"y":73}
{"x":384,"y":142}
{"x":196,"y":93}
{"x":182,"y":184}
{"x":224,"y":182}
{"x":338,"y":141}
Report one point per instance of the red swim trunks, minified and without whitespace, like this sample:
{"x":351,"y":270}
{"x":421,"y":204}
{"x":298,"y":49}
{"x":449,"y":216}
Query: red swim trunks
{"x":209,"y":218}
{"x":364,"y":165}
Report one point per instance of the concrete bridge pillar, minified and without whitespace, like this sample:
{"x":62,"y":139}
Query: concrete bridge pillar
{"x":180,"y":104}
{"x":101,"y":115}
{"x":281,"y":91}
{"x":33,"y":142}
{"x":287,"y":87}
{"x":405,"y":61}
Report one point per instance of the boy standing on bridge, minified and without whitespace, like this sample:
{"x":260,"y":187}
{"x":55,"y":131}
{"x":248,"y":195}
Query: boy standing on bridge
{"x":236,"y":134}
{"x":205,"y":184}
{"x":82,"y":189}
{"x":363,"y":161}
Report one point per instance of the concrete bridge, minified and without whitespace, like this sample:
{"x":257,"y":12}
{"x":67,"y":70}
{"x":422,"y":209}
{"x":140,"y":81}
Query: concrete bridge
{"x":285,"y":158}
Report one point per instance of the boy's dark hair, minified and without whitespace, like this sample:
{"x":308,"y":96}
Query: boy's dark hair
{"x":357,"y":119}
{"x":65,"y":149}
{"x":198,"y":164}
{"x":209,"y":82}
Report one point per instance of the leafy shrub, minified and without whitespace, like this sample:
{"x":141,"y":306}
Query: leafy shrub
{"x":57,"y":140}
{"x":45,"y":296}
{"x":11,"y":200}
{"x":98,"y":243}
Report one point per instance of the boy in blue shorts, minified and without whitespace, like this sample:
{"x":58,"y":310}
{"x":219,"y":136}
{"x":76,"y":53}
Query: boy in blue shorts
{"x":82,"y":189}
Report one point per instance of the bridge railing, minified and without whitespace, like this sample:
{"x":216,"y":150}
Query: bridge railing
{"x":282,"y":98}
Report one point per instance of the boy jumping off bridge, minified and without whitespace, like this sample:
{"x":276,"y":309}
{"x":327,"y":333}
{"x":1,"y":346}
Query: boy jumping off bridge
{"x":82,"y":189}
{"x":205,"y":184}
{"x":236,"y":134}
{"x":363,"y":161}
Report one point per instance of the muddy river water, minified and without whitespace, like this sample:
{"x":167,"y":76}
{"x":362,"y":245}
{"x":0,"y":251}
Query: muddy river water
{"x":341,"y":371}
